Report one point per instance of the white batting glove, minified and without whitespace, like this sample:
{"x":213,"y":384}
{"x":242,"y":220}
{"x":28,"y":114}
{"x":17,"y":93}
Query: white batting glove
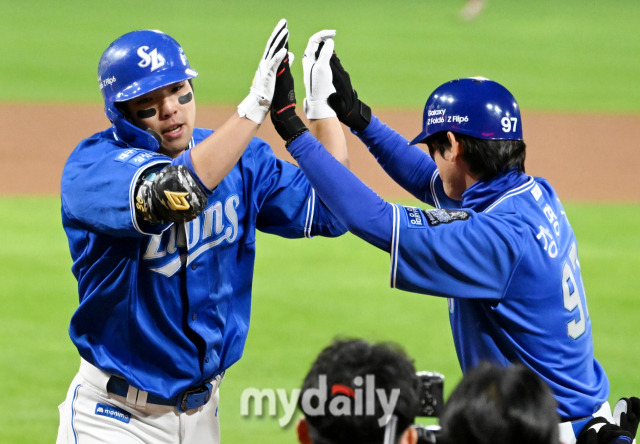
{"x":318,"y":81}
{"x":256,"y":105}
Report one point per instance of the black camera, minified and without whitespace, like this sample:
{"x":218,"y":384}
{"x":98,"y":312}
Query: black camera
{"x":431,"y":396}
{"x":427,"y":434}
{"x":431,"y":393}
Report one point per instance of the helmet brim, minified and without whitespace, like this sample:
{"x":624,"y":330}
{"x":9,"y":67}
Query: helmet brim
{"x":152,"y":83}
{"x":420,"y":138}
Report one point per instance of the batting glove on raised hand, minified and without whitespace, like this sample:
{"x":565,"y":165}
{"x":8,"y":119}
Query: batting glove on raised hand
{"x":317,"y":75}
{"x":256,"y":105}
{"x":601,"y":431}
{"x":283,"y":109}
{"x":350,"y":110}
{"x":627,"y":414}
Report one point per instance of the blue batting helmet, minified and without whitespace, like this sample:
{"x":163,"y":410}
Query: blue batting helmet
{"x":133,"y":65}
{"x":476,"y":107}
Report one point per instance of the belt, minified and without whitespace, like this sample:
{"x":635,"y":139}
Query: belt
{"x":189,"y":400}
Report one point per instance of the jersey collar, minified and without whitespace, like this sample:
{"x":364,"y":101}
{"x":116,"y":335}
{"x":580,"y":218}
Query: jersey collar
{"x":484,"y":192}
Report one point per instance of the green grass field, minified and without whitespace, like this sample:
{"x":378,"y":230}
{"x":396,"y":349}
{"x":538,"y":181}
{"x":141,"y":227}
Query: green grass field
{"x":306,"y":293}
{"x":553,"y":55}
{"x":571,"y":55}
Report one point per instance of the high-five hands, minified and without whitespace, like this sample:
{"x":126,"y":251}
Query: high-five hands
{"x":318,"y":80}
{"x":256,"y":105}
{"x":345,"y":102}
{"x":283,"y":108}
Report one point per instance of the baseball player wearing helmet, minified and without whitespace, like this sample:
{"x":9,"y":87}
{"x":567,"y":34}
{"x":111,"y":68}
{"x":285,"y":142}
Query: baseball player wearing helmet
{"x":498,"y":243}
{"x":161,"y":219}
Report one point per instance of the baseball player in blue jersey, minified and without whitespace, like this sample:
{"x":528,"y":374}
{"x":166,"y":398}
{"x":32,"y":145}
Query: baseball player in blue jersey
{"x":498,"y":243}
{"x":161,"y":219}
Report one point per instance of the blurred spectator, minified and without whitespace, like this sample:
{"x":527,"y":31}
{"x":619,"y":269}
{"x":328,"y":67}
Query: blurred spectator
{"x":352,"y":391}
{"x":495,"y":404}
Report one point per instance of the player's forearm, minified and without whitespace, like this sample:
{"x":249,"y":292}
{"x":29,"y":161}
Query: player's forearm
{"x":407,"y":165}
{"x":330,"y":134}
{"x":214,"y":157}
{"x":357,"y":206}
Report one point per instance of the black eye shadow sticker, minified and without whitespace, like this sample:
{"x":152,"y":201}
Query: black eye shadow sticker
{"x":146,"y":113}
{"x":186,"y":98}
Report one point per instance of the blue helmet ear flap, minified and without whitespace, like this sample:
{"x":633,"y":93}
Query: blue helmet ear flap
{"x":132,"y":135}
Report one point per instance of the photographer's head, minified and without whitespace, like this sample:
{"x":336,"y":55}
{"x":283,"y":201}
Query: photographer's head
{"x":494,"y":404}
{"x":353,"y":389}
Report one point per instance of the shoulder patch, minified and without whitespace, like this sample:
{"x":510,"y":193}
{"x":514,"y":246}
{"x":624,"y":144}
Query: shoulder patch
{"x":440,"y":216}
{"x":136,"y":156}
{"x":415,"y":217}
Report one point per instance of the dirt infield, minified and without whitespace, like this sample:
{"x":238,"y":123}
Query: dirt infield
{"x":585,"y":157}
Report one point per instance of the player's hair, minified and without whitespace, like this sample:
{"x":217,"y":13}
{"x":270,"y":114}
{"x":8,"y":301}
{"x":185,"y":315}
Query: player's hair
{"x":486,"y":158}
{"x":343,"y":361}
{"x":500,"y":404}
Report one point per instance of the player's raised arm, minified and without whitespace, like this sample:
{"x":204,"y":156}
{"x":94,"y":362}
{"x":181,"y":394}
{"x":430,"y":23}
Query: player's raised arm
{"x":214,"y":157}
{"x":177,"y":193}
{"x":323,"y":122}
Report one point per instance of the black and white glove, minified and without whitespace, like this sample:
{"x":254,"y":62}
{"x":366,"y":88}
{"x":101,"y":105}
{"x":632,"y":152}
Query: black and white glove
{"x":283,"y":108}
{"x":601,"y":431}
{"x":627,"y":414}
{"x":317,"y":75}
{"x":256,"y":105}
{"x":350,"y":110}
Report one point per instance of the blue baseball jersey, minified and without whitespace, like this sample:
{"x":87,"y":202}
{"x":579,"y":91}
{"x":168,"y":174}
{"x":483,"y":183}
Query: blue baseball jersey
{"x":167,"y":306}
{"x":505,"y":256}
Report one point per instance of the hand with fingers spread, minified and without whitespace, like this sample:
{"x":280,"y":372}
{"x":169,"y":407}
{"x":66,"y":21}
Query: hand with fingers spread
{"x":345,"y":102}
{"x":318,"y":80}
{"x":283,"y":108}
{"x":256,"y":105}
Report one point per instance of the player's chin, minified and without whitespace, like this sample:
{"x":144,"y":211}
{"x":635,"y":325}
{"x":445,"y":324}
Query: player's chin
{"x":173,"y":149}
{"x":176,"y":145}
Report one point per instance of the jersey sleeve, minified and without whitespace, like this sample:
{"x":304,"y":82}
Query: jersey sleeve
{"x":357,"y":206}
{"x":453,"y":253}
{"x":288,"y":205}
{"x":98,"y":188}
{"x":408,"y":165}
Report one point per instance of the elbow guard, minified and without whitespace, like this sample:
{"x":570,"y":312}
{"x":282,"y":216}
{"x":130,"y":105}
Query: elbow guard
{"x":169,"y":195}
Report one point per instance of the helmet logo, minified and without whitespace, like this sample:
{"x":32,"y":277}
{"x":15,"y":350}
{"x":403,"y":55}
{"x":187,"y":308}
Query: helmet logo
{"x":106,"y":82}
{"x":436,"y":116}
{"x":152,"y":58}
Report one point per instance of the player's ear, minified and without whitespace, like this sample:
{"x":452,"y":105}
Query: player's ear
{"x":303,"y":432}
{"x":456,"y":147}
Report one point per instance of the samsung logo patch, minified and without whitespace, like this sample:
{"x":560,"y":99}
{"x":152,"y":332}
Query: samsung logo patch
{"x":113,"y":412}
